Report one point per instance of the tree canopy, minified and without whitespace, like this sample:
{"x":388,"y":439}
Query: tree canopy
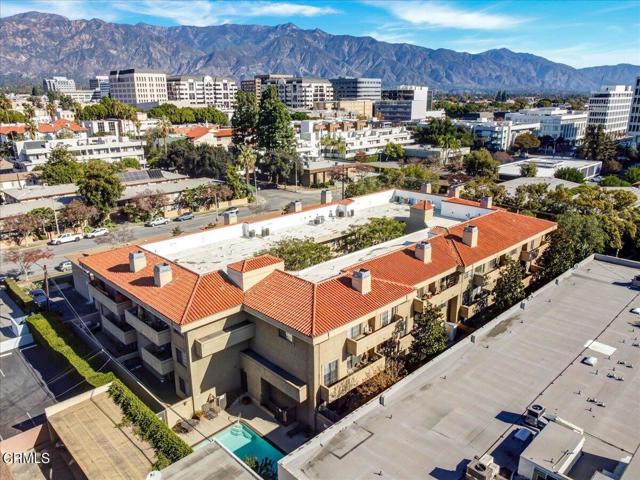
{"x":480,"y":163}
{"x":100,"y":187}
{"x":509,"y":289}
{"x":438,"y":128}
{"x":178,"y":115}
{"x":570,"y":174}
{"x":429,"y":335}
{"x":299,"y":253}
{"x":274,"y":124}
{"x":374,"y":232}
{"x":393,"y":151}
{"x":108,"y":108}
{"x":526,"y":141}
{"x":62,"y":167}
{"x":245,"y":118}
{"x":202,"y":160}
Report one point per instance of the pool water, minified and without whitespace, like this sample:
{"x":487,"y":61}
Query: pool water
{"x":244,"y":442}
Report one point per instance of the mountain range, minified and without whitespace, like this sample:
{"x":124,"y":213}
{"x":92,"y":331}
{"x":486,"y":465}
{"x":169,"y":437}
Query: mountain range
{"x":36,"y":45}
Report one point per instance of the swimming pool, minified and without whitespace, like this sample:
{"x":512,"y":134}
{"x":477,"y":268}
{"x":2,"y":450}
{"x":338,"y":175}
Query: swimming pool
{"x":244,"y":442}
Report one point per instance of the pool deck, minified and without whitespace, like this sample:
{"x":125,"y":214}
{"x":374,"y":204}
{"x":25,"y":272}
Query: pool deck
{"x":259,"y":419}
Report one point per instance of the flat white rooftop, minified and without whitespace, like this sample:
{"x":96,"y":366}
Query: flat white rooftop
{"x":214,"y":249}
{"x":547,"y":166}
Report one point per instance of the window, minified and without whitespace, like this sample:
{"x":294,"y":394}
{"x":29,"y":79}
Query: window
{"x":421,"y":292}
{"x":180,"y":357}
{"x":493,"y":264}
{"x":394,"y":310}
{"x":353,"y":361}
{"x":183,"y":386}
{"x":286,"y":335}
{"x":355,"y":331}
{"x":330,"y":373}
{"x":479,"y":269}
{"x":385,"y":318}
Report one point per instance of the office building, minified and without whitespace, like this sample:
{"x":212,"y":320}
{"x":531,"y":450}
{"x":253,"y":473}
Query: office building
{"x":255,"y":85}
{"x":347,"y":88}
{"x":610,"y":108}
{"x":362,"y":109}
{"x":301,"y":92}
{"x":202,"y":91}
{"x":101,"y":83}
{"x":634,"y":115}
{"x":499,"y":135}
{"x":215,"y":321}
{"x":58,"y":84}
{"x":410,"y":92}
{"x":554,"y":122}
{"x":406,"y":103}
{"x":138,"y":87}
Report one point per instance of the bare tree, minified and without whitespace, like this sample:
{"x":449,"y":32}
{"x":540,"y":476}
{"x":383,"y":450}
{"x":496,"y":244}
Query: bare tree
{"x":76,"y":214}
{"x":117,"y":236}
{"x":19,"y":227}
{"x":25,"y":259}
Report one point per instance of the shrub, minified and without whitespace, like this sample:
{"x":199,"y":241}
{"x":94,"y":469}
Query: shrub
{"x":22,"y":298}
{"x":167,"y":445}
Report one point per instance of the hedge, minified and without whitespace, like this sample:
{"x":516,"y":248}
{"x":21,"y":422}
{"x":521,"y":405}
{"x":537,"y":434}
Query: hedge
{"x":49,"y":332}
{"x":22,"y":298}
{"x":166,"y":444}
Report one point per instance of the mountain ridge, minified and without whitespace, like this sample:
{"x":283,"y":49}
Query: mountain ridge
{"x":39,"y":44}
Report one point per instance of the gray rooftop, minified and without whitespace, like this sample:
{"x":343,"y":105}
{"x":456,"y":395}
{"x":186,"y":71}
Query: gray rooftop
{"x":467,"y":401}
{"x":511,"y":185}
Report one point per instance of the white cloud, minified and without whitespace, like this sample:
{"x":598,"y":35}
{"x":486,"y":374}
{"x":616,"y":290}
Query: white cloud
{"x":437,"y":14}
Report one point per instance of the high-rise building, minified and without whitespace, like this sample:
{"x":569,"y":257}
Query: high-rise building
{"x":138,"y":87}
{"x":410,"y":92}
{"x":255,"y":85}
{"x":301,"y":92}
{"x":215,"y":91}
{"x":405,"y":103}
{"x":101,"y":83}
{"x":356,"y":88}
{"x":634,"y":116}
{"x":610,"y":108}
{"x":554,"y":122}
{"x":58,"y":84}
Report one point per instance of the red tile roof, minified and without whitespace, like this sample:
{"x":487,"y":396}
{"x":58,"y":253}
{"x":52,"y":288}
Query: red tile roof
{"x":224,"y":132}
{"x":462,"y":201}
{"x":7,"y":129}
{"x":58,"y":125}
{"x":255,"y":263}
{"x":197,"y":132}
{"x":423,"y":205}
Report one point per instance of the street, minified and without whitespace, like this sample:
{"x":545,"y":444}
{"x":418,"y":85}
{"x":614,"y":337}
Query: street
{"x":270,"y":200}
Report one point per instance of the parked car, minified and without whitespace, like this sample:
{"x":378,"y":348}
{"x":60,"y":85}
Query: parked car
{"x":39,"y":297}
{"x":184,"y":216}
{"x":66,"y":238}
{"x":157,"y":222}
{"x":64,"y":266}
{"x":97,"y":232}
{"x":232,"y":210}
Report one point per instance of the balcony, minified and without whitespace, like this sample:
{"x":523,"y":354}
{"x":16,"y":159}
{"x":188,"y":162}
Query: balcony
{"x":115,"y":302}
{"x":260,"y":367}
{"x":355,"y":378}
{"x":121,"y":331}
{"x":530,"y":255}
{"x":487,"y":280}
{"x":364,"y":343}
{"x":219,"y":341}
{"x":158,"y":359}
{"x":152,"y":328}
{"x":477,"y":304}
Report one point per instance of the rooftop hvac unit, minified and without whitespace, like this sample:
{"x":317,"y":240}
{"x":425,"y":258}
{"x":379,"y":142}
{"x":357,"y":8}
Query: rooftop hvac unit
{"x":535,"y":416}
{"x":352,"y":213}
{"x":252,"y":233}
{"x":265,"y":231}
{"x":483,"y":468}
{"x":340,"y":213}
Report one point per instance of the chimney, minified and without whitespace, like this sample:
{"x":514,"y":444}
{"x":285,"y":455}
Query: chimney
{"x":297,"y":206}
{"x":423,"y":251}
{"x":470,"y":236}
{"x":137,"y":261}
{"x":486,"y":202}
{"x":425,"y":187}
{"x":454,"y":191}
{"x":325,"y":197}
{"x":162,"y":274}
{"x":230,"y":218}
{"x":361,"y":281}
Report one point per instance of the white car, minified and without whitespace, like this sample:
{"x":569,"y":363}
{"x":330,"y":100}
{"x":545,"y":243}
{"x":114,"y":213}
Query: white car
{"x":97,"y":232}
{"x":66,"y":238}
{"x":157,"y":222}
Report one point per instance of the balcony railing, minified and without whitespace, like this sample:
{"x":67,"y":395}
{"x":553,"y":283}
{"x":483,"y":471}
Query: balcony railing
{"x":488,"y":279}
{"x":115,"y":302}
{"x":475,"y":305}
{"x":364,"y":343}
{"x":529,"y":255}
{"x":360,"y":375}
{"x":152,"y":328}
{"x":158,"y":359}
{"x":218,"y":341}
{"x":121,"y":331}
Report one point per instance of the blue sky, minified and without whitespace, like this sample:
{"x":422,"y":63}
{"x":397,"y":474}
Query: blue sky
{"x":576,"y":32}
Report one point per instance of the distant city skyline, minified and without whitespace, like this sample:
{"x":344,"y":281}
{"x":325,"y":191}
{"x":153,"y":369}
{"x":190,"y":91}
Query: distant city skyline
{"x":579,"y":33}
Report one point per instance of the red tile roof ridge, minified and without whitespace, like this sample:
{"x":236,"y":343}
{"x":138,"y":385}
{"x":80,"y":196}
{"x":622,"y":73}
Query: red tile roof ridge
{"x":313,"y":309}
{"x":190,"y":301}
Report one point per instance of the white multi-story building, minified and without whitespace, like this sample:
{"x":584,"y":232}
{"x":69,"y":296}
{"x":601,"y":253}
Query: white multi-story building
{"x":101,"y":83}
{"x":33,"y":153}
{"x":498,"y":135}
{"x":58,"y":84}
{"x":410,"y":92}
{"x":634,"y":115}
{"x":212,"y":91}
{"x":301,"y":92}
{"x":404,"y":104}
{"x":554,"y":122}
{"x":349,"y":88}
{"x":120,"y":127}
{"x":138,"y":87}
{"x":610,"y":108}
{"x":358,"y":136}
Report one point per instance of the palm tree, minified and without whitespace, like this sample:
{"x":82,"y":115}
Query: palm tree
{"x":448,"y":142}
{"x":51,"y":110}
{"x":164,"y":129}
{"x":247,"y":160}
{"x":29,"y":110}
{"x":30,"y":128}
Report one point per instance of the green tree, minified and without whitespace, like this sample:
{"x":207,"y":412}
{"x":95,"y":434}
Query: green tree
{"x":42,"y":219}
{"x":632,"y":175}
{"x":239,"y":188}
{"x":30,"y":128}
{"x":570,"y":174}
{"x":393,"y":152}
{"x":613,"y":181}
{"x":528,"y":169}
{"x":164,"y":128}
{"x":334,"y":144}
{"x":441,"y":128}
{"x":62,"y":167}
{"x":245,"y":118}
{"x":299,"y":253}
{"x":100,"y":187}
{"x":509,"y":288}
{"x":265,"y":468}
{"x":429,"y":335}
{"x":29,"y":111}
{"x":76,"y":214}
{"x":280,"y":164}
{"x":128,"y":162}
{"x":51,"y":110}
{"x":448,"y":142}
{"x":480,"y":163}
{"x":526,"y":141}
{"x":375,"y":231}
{"x":362,"y":187}
{"x":484,"y":187}
{"x":246,"y":159}
{"x":274,"y":124}
{"x":66,"y":102}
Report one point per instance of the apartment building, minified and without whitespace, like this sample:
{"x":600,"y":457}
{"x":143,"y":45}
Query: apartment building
{"x":255,"y":85}
{"x":33,"y":153}
{"x":58,"y":84}
{"x":206,"y":90}
{"x":101,"y":83}
{"x":634,"y":116}
{"x":358,"y":136}
{"x":345,"y":109}
{"x":610,"y":107}
{"x":206,"y":314}
{"x":499,"y":135}
{"x":301,"y":92}
{"x":138,"y":87}
{"x":348,"y":88}
{"x":554,"y":122}
{"x":45,"y":131}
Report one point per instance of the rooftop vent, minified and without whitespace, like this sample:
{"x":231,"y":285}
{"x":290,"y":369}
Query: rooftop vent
{"x":230,"y":218}
{"x":425,"y":187}
{"x":486,"y":202}
{"x":470,"y":236}
{"x":326,"y":197}
{"x":162,"y":274}
{"x":361,"y":281}
{"x":137,"y":261}
{"x":454,"y":191}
